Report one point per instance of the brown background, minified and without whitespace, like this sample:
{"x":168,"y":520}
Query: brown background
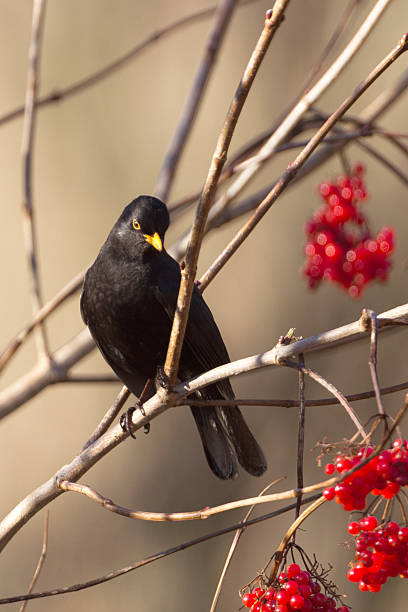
{"x":93,"y":154}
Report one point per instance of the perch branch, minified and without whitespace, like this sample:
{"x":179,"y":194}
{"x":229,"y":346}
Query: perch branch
{"x":48,"y":491}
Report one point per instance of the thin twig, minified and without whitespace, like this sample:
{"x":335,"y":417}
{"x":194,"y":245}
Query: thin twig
{"x":302,"y":106}
{"x":233,"y":547}
{"x":301,"y":432}
{"x":152,"y":558}
{"x":384,"y":160}
{"x":42,"y":375}
{"x":70,"y":289}
{"x":282,"y":403}
{"x":294,"y":167}
{"x":159,"y":517}
{"x":41,"y":560}
{"x":371,"y":317}
{"x":272,"y":21}
{"x":191,"y":107}
{"x":94,"y":78}
{"x":109,"y":417}
{"x":27,"y":154}
{"x":386,"y":437}
{"x":280,"y":551}
{"x":80,"y":464}
{"x":336,"y":392}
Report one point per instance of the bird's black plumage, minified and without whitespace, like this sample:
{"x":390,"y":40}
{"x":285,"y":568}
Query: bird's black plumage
{"x":128,"y":302}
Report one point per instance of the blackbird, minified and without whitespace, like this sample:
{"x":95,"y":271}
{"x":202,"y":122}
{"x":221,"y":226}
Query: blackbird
{"x":128,"y":302}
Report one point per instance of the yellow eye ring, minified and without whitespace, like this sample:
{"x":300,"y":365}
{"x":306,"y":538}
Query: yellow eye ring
{"x":136,"y":224}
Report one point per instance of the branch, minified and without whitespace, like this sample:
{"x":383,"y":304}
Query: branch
{"x":302,"y":106}
{"x":27,"y":150}
{"x":70,"y":289}
{"x":41,"y":560}
{"x":46,"y":373}
{"x":118,"y":64}
{"x":272,"y":21}
{"x":191,"y":107}
{"x":48,"y":491}
{"x":294,"y":167}
{"x":337,"y":394}
{"x":152,"y":558}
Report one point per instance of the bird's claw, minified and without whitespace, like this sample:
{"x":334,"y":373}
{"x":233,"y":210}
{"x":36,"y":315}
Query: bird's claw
{"x":162,"y":380}
{"x":125,"y":421}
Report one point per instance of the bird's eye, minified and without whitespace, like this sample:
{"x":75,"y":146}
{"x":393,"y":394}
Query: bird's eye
{"x":136,"y":224}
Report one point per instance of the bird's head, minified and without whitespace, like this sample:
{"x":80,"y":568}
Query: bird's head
{"x":141,"y":226}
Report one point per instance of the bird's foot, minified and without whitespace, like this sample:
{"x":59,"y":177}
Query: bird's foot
{"x":162,"y":380}
{"x":126,"y":422}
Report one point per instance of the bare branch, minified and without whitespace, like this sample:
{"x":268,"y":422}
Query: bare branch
{"x":199,"y":85}
{"x":233,"y":547}
{"x":41,"y":560}
{"x":109,"y":417}
{"x":330,"y":387}
{"x":293,"y":168}
{"x":272,"y":21}
{"x":41,"y":496}
{"x":27,"y":153}
{"x":152,"y":558}
{"x":70,"y":289}
{"x":310,"y":98}
{"x":119,"y":63}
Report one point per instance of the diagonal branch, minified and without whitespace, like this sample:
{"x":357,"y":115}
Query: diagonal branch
{"x":306,"y":101}
{"x":294,"y":167}
{"x":169,"y":166}
{"x":117,"y":64}
{"x":272,"y":21}
{"x":49,"y":490}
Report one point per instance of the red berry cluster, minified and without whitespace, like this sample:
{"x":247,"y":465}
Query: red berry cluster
{"x":339,"y":246}
{"x":296,"y":592}
{"x":381,"y":553}
{"x":383,"y":475}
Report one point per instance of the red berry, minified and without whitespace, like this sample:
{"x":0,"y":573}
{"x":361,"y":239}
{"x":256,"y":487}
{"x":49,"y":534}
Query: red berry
{"x":282,"y":597}
{"x":293,"y":570}
{"x":281,"y":608}
{"x":368,"y":523}
{"x":297,"y":601}
{"x":291,"y":587}
{"x":354,"y":528}
{"x":329,"y":493}
{"x":248,"y":600}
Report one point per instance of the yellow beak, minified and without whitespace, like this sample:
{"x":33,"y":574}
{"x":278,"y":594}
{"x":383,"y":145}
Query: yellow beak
{"x":154,"y":241}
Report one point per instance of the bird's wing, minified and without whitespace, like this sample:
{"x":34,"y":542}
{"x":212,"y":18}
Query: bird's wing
{"x":202,"y":338}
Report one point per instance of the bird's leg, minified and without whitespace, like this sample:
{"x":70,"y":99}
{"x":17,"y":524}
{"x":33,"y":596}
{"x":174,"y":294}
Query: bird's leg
{"x":125,"y":420}
{"x":162,"y":380}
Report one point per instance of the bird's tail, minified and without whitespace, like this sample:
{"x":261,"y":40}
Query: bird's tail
{"x":226,"y":437}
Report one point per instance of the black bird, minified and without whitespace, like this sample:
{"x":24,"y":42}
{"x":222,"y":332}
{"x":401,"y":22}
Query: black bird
{"x":128,"y":302}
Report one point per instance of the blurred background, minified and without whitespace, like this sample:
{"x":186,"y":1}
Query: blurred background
{"x":94,"y":153}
